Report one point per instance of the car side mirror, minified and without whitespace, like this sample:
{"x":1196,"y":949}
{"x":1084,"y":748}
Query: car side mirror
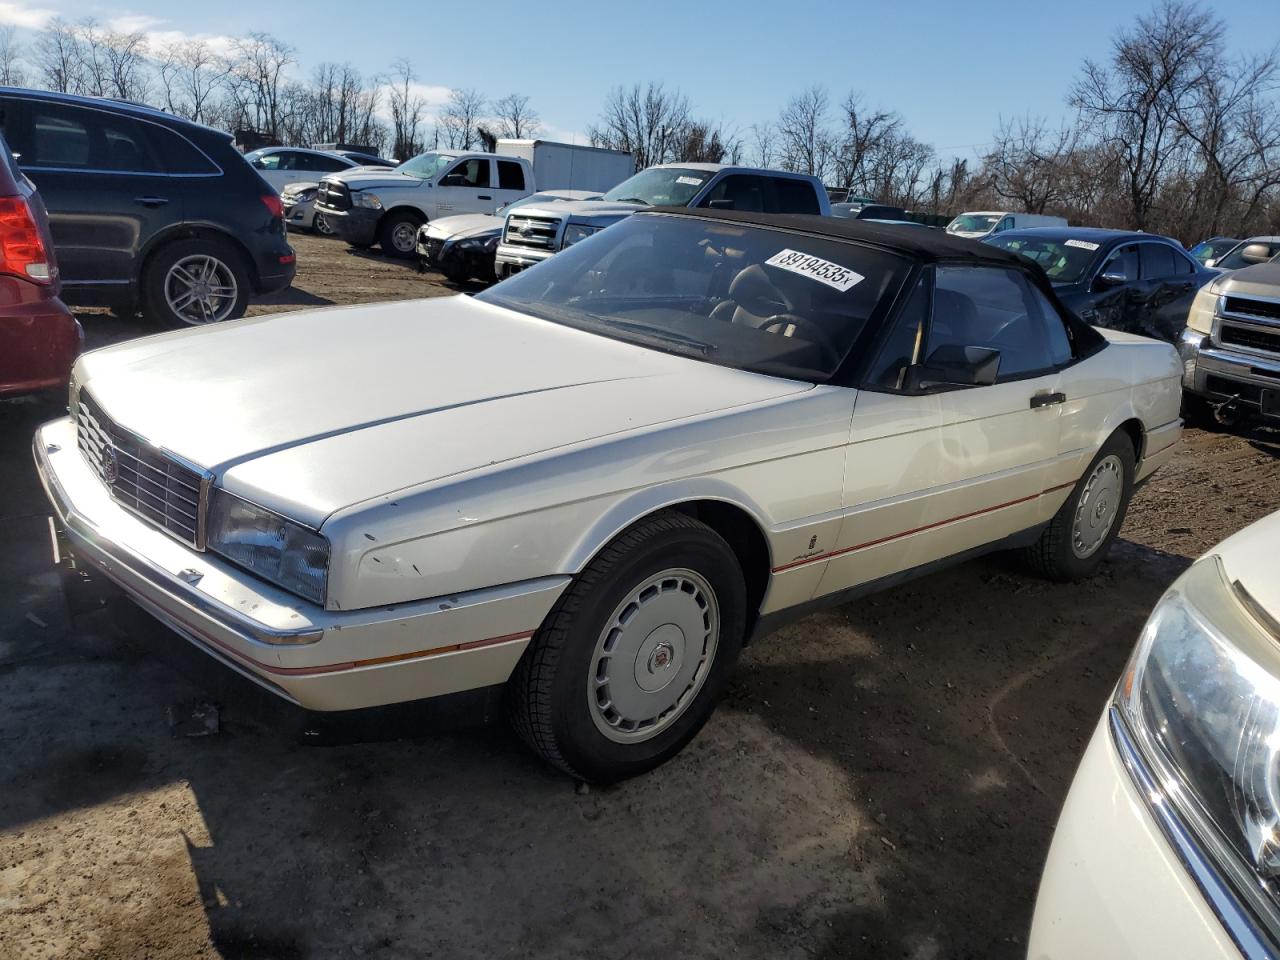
{"x":453,"y":180}
{"x":957,"y":365}
{"x":1110,"y":279}
{"x":1256,"y":253}
{"x":1210,"y":262}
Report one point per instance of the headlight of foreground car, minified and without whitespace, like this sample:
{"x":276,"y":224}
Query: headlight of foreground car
{"x":266,"y":544}
{"x":1202,"y":699}
{"x":1200,"y":318}
{"x":300,"y":196}
{"x":369,"y":200}
{"x":575,"y":232}
{"x":475,"y":244}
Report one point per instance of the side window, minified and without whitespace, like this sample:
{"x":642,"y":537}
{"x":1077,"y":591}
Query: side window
{"x":737,"y":191}
{"x":320,"y":163}
{"x":510,"y":175}
{"x":177,"y":154}
{"x":268,"y":161}
{"x":794,"y":196}
{"x":1003,"y":225}
{"x":1182,"y":265}
{"x":65,"y":136}
{"x":997,"y":308}
{"x":901,"y":348}
{"x":468,"y":173}
{"x":1123,"y":262}
{"x":1157,"y":261}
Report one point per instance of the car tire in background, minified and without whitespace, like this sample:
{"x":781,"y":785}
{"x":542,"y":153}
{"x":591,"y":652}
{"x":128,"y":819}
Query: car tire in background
{"x":321,"y":226}
{"x":398,"y":234}
{"x":631,"y":660}
{"x":1076,"y":541}
{"x":195,"y":282}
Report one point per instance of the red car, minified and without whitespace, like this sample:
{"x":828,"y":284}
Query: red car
{"x":39,"y":337}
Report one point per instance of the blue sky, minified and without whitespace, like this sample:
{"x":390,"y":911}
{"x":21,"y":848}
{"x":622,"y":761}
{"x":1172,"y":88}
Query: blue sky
{"x":952,"y":69}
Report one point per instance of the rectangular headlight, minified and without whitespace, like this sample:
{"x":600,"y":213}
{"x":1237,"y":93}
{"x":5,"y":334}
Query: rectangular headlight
{"x":268,"y":545}
{"x":1202,"y":697}
{"x":575,"y":232}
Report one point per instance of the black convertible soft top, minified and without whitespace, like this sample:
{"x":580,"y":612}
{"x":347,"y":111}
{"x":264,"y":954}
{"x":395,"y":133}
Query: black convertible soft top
{"x":929,"y":246}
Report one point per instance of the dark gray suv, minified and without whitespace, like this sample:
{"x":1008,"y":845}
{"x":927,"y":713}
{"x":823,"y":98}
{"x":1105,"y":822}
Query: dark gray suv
{"x":148,"y":210}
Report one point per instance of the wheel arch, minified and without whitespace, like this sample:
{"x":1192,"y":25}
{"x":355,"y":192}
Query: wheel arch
{"x":411,"y":210}
{"x":722,"y":508}
{"x":192,"y":231}
{"x":1136,"y":431}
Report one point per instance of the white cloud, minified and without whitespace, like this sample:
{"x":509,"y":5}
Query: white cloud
{"x":133,"y":23}
{"x":20,"y":14}
{"x":220,"y":44}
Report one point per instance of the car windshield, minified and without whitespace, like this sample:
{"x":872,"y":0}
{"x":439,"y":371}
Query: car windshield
{"x":425,"y":165}
{"x":973,"y":222}
{"x":1064,"y":259}
{"x":660,"y":187}
{"x":1235,"y":259}
{"x":739,"y":295}
{"x":1208,"y":249}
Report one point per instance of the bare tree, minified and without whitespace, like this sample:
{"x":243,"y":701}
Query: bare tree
{"x":56,"y":55}
{"x":865,"y":133}
{"x":1026,"y":163}
{"x":516,"y":120}
{"x":646,"y":121}
{"x":459,"y":117}
{"x":1133,"y":103}
{"x":764,"y":141}
{"x":258,"y":76}
{"x":12,"y":73}
{"x":191,"y":74}
{"x":128,"y":70}
{"x":807,"y":145}
{"x":407,"y":109}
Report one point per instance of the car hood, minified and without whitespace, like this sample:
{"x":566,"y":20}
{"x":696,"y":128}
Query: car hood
{"x":312,"y":411}
{"x":358,"y":179}
{"x":463,"y":225}
{"x":1258,"y":280}
{"x":1249,"y":559}
{"x":581,"y":211}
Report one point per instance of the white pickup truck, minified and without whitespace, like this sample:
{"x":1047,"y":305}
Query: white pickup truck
{"x":387,"y":207}
{"x":533,"y":233}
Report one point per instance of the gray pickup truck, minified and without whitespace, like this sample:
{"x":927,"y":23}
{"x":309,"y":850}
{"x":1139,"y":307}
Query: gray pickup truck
{"x":1231,"y":347}
{"x":533,"y":233}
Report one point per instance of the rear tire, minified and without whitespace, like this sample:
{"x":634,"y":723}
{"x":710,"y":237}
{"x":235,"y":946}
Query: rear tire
{"x":398,"y":235}
{"x":1077,"y":539}
{"x":191,"y":283}
{"x":631,"y":660}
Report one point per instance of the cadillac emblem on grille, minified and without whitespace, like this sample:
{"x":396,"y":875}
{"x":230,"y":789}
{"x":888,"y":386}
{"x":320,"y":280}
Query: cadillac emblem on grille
{"x":110,"y":464}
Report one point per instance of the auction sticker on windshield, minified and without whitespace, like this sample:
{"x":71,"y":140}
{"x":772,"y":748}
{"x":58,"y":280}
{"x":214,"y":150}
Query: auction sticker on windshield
{"x":1082,"y":244}
{"x":815,"y":268}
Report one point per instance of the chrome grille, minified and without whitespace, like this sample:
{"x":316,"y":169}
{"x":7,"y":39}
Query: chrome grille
{"x":537,"y":232}
{"x":336,"y":196}
{"x":141,"y":477}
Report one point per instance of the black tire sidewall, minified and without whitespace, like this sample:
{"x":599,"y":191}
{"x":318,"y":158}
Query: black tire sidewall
{"x":387,"y":227}
{"x":154,"y":304}
{"x":1079,"y":568}
{"x":583,"y":746}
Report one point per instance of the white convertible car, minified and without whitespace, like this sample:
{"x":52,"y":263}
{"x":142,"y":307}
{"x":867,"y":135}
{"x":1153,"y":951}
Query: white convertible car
{"x":595,"y":481}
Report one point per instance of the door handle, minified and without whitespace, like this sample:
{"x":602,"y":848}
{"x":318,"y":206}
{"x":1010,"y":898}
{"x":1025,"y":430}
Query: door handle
{"x":483,"y":197}
{"x":151,"y":201}
{"x":1047,"y":399}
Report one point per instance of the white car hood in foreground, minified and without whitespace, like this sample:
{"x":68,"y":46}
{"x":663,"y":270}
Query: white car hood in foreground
{"x":365,"y":178}
{"x":312,"y":411}
{"x":463,"y":223}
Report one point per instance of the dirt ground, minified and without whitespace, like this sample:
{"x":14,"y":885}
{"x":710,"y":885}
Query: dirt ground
{"x":882,"y":780}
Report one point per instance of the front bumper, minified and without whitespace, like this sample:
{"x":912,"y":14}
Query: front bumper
{"x":511,"y":259}
{"x":301,"y":214}
{"x":1219,"y":374}
{"x":358,"y":226}
{"x":1120,"y":881}
{"x":319,"y":659}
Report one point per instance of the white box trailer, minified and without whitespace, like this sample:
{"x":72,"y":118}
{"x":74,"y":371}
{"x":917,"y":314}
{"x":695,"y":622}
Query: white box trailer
{"x":570,"y":166}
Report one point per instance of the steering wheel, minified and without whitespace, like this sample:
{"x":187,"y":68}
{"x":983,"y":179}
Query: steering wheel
{"x":813,"y":332}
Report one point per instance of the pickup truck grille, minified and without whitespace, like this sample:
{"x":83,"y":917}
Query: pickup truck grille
{"x":334,"y":195}
{"x":1250,"y":338}
{"x":1248,"y":307}
{"x":539,"y":232}
{"x":140,"y":477}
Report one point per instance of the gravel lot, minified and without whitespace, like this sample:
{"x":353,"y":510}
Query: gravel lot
{"x":883,"y":779}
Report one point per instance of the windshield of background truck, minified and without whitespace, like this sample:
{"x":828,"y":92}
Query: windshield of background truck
{"x":973,"y":223}
{"x":1235,"y":260}
{"x":660,"y":187}
{"x":425,"y":165}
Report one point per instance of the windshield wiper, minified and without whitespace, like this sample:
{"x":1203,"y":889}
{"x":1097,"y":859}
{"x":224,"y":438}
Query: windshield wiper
{"x":634,"y":200}
{"x":659,"y":333}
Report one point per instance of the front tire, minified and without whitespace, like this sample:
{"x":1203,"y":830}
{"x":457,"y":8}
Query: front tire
{"x":398,"y":235}
{"x":322,"y":226}
{"x":192,"y":283}
{"x":631,"y":660}
{"x":1077,"y":539}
